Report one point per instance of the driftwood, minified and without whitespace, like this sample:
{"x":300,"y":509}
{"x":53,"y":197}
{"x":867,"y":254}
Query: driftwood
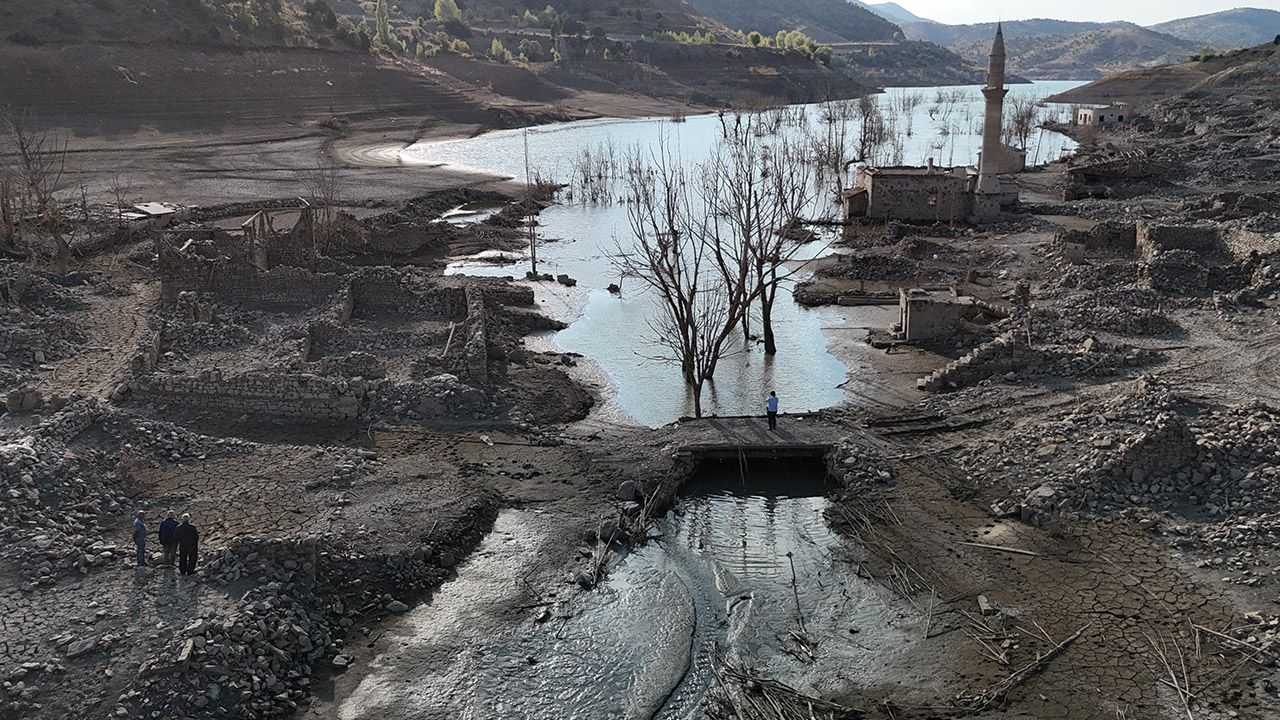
{"x":1001,"y":548}
{"x":743,"y":695}
{"x":997,"y":692}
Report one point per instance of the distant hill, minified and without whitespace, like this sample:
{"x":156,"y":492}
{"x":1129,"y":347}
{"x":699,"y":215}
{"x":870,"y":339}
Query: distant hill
{"x":1087,"y":55}
{"x":1251,"y":69}
{"x":823,"y":20}
{"x":1239,"y":28}
{"x":893,"y":12}
{"x":954,"y":36}
{"x":1060,"y":49}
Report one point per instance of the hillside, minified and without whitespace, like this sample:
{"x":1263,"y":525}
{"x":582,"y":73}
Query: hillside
{"x":959,"y":36}
{"x":912,"y":63}
{"x":1239,"y":28}
{"x":1252,"y":67}
{"x":893,"y":12}
{"x":1059,"y":49}
{"x":112,"y":67}
{"x":1086,"y":55}
{"x":824,"y":20}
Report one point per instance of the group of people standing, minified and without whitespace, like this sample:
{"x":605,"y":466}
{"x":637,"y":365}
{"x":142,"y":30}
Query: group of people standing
{"x":178,"y":539}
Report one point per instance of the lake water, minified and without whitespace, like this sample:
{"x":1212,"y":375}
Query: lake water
{"x":578,"y":239}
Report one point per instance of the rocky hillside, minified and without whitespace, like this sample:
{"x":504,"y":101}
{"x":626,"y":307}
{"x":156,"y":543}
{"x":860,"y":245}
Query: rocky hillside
{"x":953,"y":36}
{"x":911,"y":63}
{"x":1065,"y":50}
{"x":824,"y":20}
{"x":893,"y":12}
{"x":1239,"y":28}
{"x":111,"y":66}
{"x":1086,"y":55}
{"x":1253,"y":70}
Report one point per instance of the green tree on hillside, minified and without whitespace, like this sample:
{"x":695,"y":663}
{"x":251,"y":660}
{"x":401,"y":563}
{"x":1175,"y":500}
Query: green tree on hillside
{"x":755,"y":38}
{"x":382,"y":35}
{"x":499,"y":52}
{"x":447,"y":10}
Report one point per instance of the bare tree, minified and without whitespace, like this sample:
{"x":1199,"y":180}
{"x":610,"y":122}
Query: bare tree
{"x":757,"y":193}
{"x":323,"y":192}
{"x":8,"y":205}
{"x":120,"y":188}
{"x":38,"y":161}
{"x":671,"y":253}
{"x":1024,"y":115}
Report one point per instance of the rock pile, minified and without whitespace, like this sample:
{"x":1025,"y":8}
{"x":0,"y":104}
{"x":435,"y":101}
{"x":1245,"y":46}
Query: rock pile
{"x":1009,"y":354}
{"x":1149,"y":450}
{"x":257,"y":660}
{"x":440,"y":396}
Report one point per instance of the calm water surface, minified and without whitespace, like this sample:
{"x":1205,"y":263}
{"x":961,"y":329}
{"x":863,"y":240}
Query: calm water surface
{"x":578,"y":240}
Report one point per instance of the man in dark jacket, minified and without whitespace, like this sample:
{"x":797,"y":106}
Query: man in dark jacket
{"x":188,"y":540}
{"x":168,"y":538}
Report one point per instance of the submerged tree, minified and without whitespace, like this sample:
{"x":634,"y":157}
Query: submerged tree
{"x":1024,"y":115}
{"x":714,"y":243}
{"x":671,"y":253}
{"x":757,"y":193}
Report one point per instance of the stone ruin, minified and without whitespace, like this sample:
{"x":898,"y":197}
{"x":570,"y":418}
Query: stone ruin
{"x":262,"y":326}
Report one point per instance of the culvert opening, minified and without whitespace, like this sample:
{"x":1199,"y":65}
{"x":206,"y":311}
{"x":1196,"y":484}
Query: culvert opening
{"x":798,"y":476}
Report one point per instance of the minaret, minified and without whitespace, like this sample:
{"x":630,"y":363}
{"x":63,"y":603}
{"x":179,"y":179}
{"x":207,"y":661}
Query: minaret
{"x":993,"y":122}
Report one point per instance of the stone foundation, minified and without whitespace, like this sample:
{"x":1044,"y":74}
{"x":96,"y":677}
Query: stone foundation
{"x":287,"y":395}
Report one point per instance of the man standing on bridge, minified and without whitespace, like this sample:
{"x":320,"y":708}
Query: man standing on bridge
{"x":771,"y":409}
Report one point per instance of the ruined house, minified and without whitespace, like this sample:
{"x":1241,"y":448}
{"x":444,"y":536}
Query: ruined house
{"x":1101,"y":116}
{"x":931,"y":194}
{"x":929,"y":314}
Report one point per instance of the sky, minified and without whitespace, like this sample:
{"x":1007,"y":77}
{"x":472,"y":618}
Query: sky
{"x":1142,"y":12}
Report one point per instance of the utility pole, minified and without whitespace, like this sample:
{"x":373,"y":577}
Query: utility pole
{"x":528,"y":183}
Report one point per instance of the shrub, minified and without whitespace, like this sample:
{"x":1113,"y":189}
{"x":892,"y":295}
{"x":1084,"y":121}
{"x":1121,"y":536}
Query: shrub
{"x":383,"y":36}
{"x":446,"y":10}
{"x":457,"y":28}
{"x":459,"y":47}
{"x":532,"y":51}
{"x":499,"y":52}
{"x":320,"y":11}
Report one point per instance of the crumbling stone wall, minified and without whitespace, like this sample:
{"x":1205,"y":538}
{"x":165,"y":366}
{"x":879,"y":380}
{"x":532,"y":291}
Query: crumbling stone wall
{"x":38,"y":339}
{"x":1140,"y":471}
{"x":295,"y":248}
{"x":1242,"y":244}
{"x":21,"y":344}
{"x":475,"y":350}
{"x":1204,"y":240}
{"x":933,"y":197}
{"x":230,"y":280}
{"x":291,"y":395}
{"x":1005,"y":353}
{"x":1110,"y":238}
{"x":388,"y":289}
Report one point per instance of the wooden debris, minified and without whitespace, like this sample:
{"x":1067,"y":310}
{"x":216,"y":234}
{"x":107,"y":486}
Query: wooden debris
{"x":1001,"y":548}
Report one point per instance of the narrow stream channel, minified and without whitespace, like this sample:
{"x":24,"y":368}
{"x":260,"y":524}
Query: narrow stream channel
{"x":730,"y":570}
